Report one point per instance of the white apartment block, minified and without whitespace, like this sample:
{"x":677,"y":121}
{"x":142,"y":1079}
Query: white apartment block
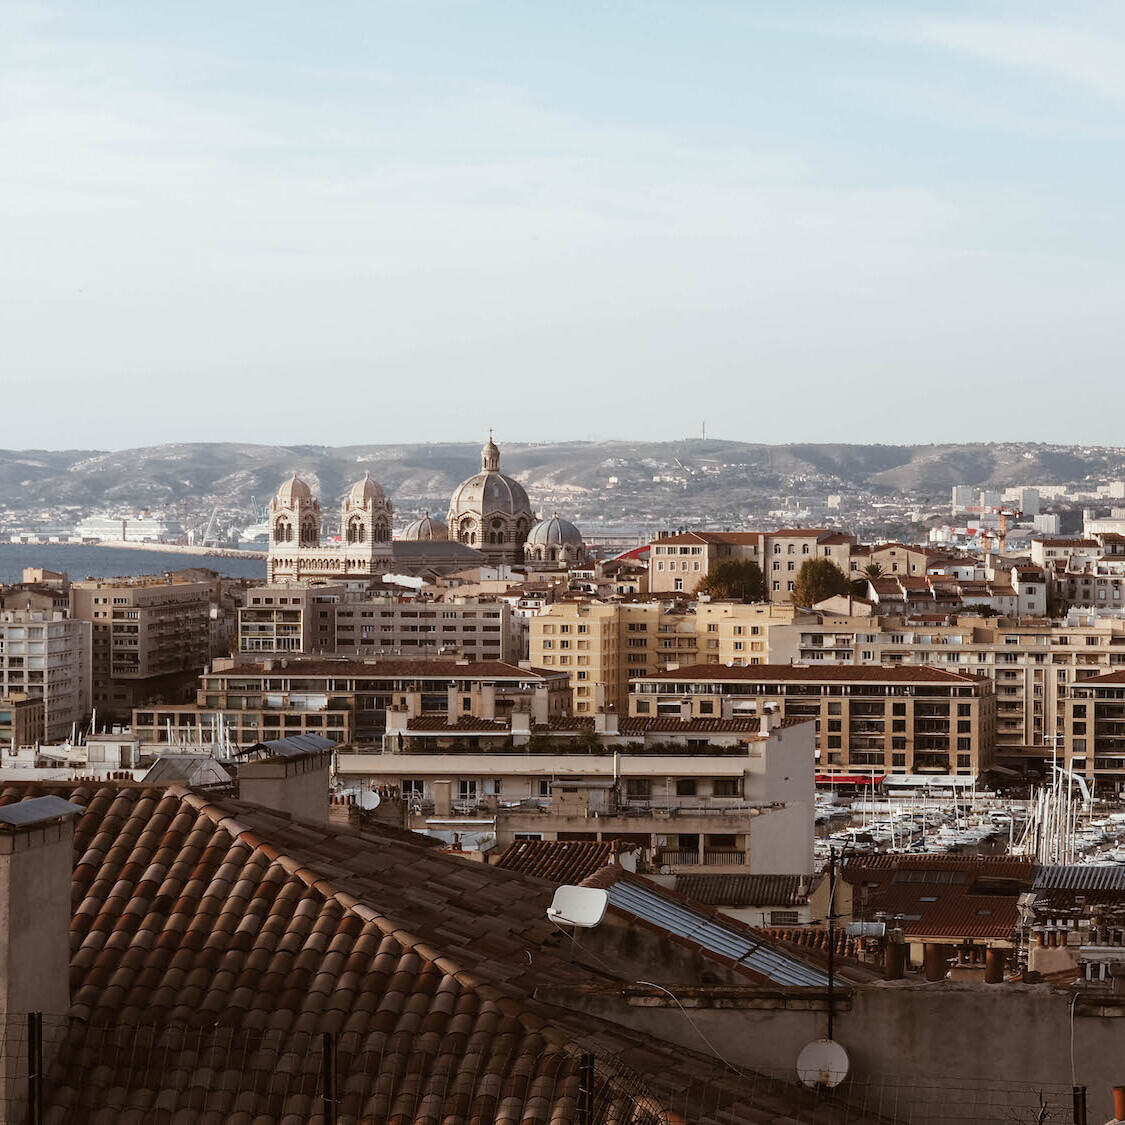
{"x":47,"y":655}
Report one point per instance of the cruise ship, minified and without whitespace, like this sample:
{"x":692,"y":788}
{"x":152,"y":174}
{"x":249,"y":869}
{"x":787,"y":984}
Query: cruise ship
{"x":139,"y":528}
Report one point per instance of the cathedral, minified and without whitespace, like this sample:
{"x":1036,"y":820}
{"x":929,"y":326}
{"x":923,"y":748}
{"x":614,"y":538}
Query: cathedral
{"x":490,"y":523}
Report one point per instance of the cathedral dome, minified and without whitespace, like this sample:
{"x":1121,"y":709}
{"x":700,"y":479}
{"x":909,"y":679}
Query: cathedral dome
{"x":490,"y":511}
{"x":293,"y":491}
{"x":366,"y":490}
{"x":554,"y":532}
{"x":490,"y":493}
{"x":426,"y":529}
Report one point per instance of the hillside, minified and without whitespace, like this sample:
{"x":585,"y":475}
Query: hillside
{"x":641,"y":481}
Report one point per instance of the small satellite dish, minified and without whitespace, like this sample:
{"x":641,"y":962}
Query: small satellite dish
{"x":578,"y":906}
{"x":368,"y":799}
{"x":823,"y":1062}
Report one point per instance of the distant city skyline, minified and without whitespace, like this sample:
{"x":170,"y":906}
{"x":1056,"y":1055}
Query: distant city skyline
{"x":893,"y":223}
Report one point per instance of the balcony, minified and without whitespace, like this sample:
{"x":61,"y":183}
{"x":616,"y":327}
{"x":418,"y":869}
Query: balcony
{"x":709,"y":858}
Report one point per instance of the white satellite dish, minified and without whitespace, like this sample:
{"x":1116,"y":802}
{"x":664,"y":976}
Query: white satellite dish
{"x":368,"y":799}
{"x":823,"y":1062}
{"x":578,"y":906}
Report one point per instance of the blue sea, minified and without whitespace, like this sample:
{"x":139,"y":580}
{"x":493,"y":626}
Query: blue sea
{"x":113,"y":562}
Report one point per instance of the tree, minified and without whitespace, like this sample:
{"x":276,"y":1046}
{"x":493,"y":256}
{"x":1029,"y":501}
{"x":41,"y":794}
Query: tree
{"x":734,"y":580}
{"x":873,"y":570}
{"x":819,"y":579}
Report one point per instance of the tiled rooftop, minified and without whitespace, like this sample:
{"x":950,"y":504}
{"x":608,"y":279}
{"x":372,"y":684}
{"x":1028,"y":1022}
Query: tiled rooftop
{"x":243,"y":928}
{"x":744,"y":890}
{"x":559,"y":861}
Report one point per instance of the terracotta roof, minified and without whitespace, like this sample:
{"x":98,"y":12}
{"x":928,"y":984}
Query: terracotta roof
{"x":941,"y":896}
{"x":559,"y":861}
{"x":1069,"y":542}
{"x":1117,"y":677}
{"x":212,"y":942}
{"x":837,"y":673}
{"x":376,"y":669}
{"x":836,"y":539}
{"x":465,"y":724}
{"x":744,"y":890}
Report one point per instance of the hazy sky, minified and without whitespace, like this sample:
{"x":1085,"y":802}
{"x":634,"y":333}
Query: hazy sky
{"x":348,"y":222}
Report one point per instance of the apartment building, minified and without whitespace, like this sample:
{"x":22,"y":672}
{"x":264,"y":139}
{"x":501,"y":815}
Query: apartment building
{"x":1032,"y":665}
{"x":47,"y":656}
{"x":296,"y":617}
{"x":689,"y":794}
{"x":1094,"y":736}
{"x":869,"y":719}
{"x":21,"y":721}
{"x":151,"y":637}
{"x":602,"y":645}
{"x":678,"y":563}
{"x":365,"y":691}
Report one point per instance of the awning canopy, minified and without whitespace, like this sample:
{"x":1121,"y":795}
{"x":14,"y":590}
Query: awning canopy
{"x":929,"y":781}
{"x":849,"y":778}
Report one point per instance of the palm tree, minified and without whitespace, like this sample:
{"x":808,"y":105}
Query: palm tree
{"x":873,"y":570}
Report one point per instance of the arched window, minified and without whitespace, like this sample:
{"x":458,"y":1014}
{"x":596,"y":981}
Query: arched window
{"x":357,"y":533}
{"x":805,"y":549}
{"x":308,"y":533}
{"x":283,"y":531}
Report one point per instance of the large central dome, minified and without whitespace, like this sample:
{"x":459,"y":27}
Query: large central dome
{"x":490,"y":511}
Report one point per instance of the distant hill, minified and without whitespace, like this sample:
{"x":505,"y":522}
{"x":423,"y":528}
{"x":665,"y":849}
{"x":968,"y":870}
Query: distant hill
{"x":638,"y":479}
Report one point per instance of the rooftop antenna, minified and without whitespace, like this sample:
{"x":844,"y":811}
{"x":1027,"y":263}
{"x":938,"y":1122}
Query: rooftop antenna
{"x":578,"y":906}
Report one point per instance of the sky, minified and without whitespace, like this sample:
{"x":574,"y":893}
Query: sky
{"x":358,"y":222}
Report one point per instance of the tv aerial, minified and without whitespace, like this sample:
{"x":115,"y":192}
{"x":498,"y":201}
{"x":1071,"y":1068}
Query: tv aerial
{"x":822,"y":1063}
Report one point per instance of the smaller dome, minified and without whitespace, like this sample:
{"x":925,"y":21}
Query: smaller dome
{"x":364,"y":490}
{"x":425,"y":529}
{"x":293,"y":491}
{"x":554,"y":532}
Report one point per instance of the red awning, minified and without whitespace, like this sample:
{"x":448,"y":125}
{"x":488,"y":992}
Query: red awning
{"x":849,"y":778}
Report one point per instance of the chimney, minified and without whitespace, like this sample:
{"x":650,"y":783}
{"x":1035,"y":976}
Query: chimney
{"x":36,"y":865}
{"x":605,"y":722}
{"x":294,"y":784}
{"x":685,"y":710}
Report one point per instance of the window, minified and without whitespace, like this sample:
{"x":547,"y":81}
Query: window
{"x":784,"y":917}
{"x":638,"y":787}
{"x":544,"y":787}
{"x":685,"y":787}
{"x":467,"y":789}
{"x":413,"y":787}
{"x":725,"y":787}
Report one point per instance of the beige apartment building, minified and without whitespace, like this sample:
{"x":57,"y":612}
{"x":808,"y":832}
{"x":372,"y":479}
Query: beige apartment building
{"x":601,"y":646}
{"x":151,"y":637}
{"x":1033,"y":665}
{"x":1094,"y":736}
{"x":294,"y":617}
{"x":275,"y":694}
{"x":688,"y":794}
{"x":604,"y":645}
{"x":46,"y":655}
{"x":678,"y":563}
{"x":873,"y":720}
{"x":22,"y":721}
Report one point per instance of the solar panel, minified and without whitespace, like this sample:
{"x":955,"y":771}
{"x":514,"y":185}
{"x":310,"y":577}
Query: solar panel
{"x":709,"y":933}
{"x":37,"y":810}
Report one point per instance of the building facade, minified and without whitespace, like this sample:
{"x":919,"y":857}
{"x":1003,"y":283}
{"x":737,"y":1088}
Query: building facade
{"x":871,"y":720}
{"x":151,"y":638}
{"x":48,"y":656}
